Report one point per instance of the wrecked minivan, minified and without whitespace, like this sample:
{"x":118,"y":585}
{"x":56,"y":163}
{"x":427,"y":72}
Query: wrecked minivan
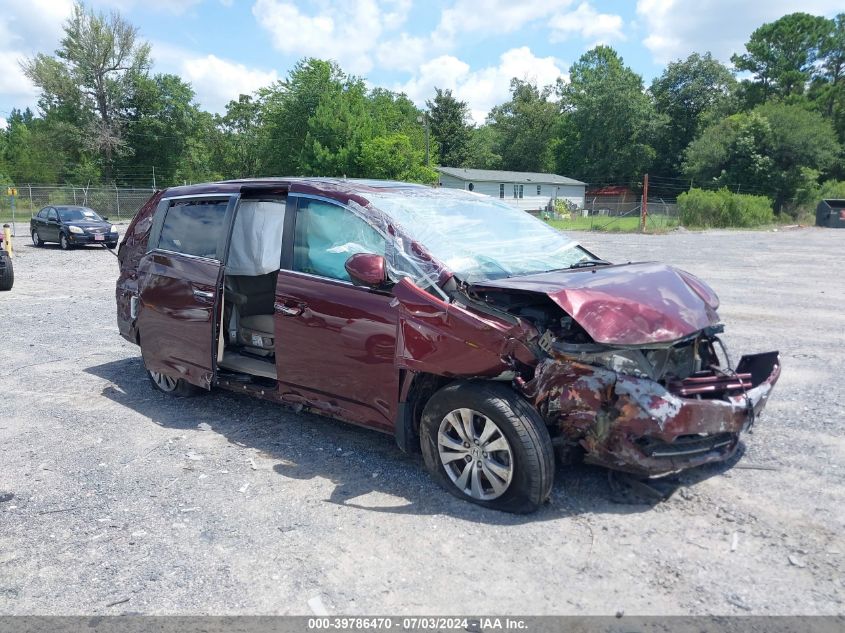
{"x":467,"y":329}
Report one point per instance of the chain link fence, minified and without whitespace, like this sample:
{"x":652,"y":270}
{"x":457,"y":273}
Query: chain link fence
{"x":621,"y":215}
{"x":116,"y":203}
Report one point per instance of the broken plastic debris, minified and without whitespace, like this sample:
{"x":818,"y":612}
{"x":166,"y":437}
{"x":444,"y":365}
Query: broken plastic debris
{"x":317,"y":607}
{"x":244,"y":487}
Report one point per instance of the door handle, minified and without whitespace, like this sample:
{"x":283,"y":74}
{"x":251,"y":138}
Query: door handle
{"x":202,"y":294}
{"x":286,"y":310}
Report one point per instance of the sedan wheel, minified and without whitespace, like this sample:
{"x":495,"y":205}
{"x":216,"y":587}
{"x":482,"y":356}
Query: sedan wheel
{"x":63,"y":243}
{"x":475,"y":454}
{"x":36,"y":239}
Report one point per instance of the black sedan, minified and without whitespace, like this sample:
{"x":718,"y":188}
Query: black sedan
{"x":71,"y":226}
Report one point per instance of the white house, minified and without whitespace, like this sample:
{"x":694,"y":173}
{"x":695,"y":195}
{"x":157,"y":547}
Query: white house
{"x":522,"y":189}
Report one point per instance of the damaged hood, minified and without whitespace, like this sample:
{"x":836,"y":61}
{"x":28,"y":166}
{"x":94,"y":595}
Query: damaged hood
{"x":628,"y":304}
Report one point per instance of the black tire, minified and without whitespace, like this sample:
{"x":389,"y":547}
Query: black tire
{"x":64,"y":244}
{"x":530,"y":455}
{"x":111,"y":245}
{"x":176,"y":387}
{"x":36,"y":239}
{"x":7,"y":273}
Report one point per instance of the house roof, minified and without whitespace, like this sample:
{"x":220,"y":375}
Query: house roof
{"x":493,"y":175}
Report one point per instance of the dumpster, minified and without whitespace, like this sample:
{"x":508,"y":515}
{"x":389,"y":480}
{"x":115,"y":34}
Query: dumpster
{"x":831,"y":213}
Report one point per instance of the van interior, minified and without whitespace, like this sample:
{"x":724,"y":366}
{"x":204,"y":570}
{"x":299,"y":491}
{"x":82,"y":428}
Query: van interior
{"x":246,"y":343}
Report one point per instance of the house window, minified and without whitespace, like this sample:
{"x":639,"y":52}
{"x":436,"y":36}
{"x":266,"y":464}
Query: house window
{"x":517,"y":191}
{"x":501,"y":190}
{"x":539,"y":189}
{"x":471,"y":187}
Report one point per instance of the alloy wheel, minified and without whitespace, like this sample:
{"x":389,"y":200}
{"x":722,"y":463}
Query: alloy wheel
{"x":163,"y":381}
{"x":35,"y":239}
{"x":475,"y":454}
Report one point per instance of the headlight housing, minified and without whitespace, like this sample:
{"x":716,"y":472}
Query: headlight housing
{"x":75,"y":229}
{"x":113,"y":229}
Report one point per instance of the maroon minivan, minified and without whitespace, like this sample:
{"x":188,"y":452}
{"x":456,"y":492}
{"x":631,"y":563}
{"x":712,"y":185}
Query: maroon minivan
{"x":466,"y":328}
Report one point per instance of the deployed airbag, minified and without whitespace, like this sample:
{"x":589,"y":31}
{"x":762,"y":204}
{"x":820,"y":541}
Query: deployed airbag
{"x":256,"y":245}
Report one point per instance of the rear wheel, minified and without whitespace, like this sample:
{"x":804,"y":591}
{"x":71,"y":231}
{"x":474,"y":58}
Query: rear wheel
{"x":7,"y":273}
{"x":172,"y":386}
{"x":485,"y":444}
{"x":63,"y":242}
{"x":36,"y":239}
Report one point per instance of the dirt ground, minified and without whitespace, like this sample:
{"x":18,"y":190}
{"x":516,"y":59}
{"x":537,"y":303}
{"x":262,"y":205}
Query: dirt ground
{"x":128,"y":501}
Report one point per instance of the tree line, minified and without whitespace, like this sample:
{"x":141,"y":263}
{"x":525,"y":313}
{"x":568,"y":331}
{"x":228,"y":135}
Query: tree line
{"x":772,"y":124}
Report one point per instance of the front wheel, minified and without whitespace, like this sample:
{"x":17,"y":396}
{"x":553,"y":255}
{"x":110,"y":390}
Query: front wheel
{"x":36,"y":239}
{"x":63,"y":242}
{"x":178,"y":387}
{"x":485,"y":444}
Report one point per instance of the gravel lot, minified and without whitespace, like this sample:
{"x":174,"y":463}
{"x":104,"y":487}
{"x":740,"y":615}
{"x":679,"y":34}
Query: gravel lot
{"x":226,"y":505}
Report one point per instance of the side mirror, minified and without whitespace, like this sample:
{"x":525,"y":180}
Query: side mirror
{"x":367,"y":269}
{"x":105,"y":219}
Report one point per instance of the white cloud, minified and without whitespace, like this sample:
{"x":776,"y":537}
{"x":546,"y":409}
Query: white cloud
{"x":587,"y":23}
{"x":215,"y":81}
{"x":27,"y":27}
{"x":722,"y":27}
{"x":347,"y":32}
{"x":483,"y":88}
{"x":491,"y":17}
{"x":405,"y":52}
{"x":175,"y":7}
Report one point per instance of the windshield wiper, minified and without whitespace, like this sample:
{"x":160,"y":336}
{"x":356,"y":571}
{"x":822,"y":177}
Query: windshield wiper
{"x":584,"y":263}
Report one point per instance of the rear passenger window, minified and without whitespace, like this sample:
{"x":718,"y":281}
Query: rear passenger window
{"x":327,"y":235}
{"x":194,"y":228}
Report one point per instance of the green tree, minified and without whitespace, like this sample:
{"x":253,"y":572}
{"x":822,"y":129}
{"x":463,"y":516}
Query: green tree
{"x":336,"y":131}
{"x":449,"y":121}
{"x":287,"y":106}
{"x":33,"y":152}
{"x":97,"y":70}
{"x":609,"y":122}
{"x":240,"y":138}
{"x":163,"y":116}
{"x":482,"y":148}
{"x":393,"y":157}
{"x":524,"y":127}
{"x":686,"y":93}
{"x":767,"y":151}
{"x":781,"y":55}
{"x":828,"y":90}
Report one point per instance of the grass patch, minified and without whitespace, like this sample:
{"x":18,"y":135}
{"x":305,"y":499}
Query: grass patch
{"x":622,"y":224}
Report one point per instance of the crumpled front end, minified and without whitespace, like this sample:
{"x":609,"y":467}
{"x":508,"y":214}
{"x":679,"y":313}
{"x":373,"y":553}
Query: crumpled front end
{"x":639,"y":425}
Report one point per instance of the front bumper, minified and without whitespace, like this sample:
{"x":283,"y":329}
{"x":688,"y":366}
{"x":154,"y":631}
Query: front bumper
{"x":639,"y":426}
{"x":89,"y":238}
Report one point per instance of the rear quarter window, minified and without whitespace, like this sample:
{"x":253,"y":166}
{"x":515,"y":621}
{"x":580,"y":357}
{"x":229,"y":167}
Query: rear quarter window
{"x":194,"y":228}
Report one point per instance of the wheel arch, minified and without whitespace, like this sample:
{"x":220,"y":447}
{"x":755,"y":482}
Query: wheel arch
{"x":416,"y":389}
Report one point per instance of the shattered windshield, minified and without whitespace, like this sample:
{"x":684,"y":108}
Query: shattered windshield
{"x":477,"y":237}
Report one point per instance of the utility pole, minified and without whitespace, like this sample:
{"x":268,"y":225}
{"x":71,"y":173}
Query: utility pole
{"x":154,"y":177}
{"x":644,"y":207}
{"x":423,"y":119}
